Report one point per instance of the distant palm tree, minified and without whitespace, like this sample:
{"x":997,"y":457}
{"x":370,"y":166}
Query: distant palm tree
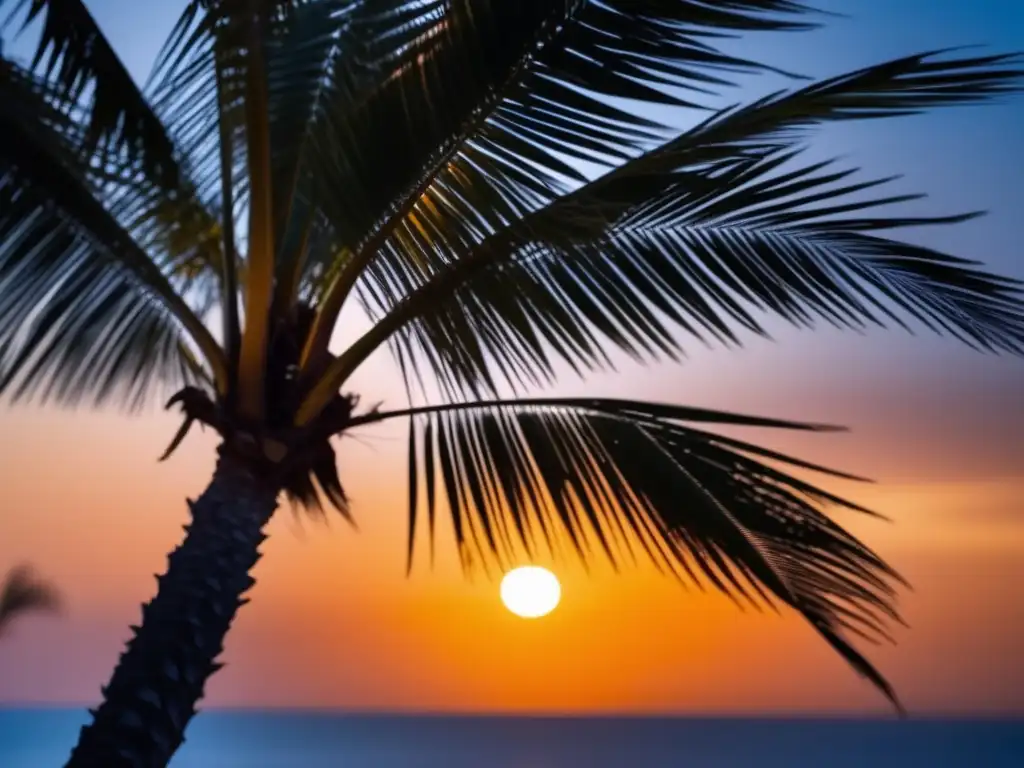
{"x":421,"y":158}
{"x":23,"y":592}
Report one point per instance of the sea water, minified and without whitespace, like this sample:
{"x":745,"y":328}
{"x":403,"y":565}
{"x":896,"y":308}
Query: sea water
{"x":258,"y":739}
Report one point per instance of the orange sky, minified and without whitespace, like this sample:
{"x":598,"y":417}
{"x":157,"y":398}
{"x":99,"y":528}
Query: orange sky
{"x":335,"y":622}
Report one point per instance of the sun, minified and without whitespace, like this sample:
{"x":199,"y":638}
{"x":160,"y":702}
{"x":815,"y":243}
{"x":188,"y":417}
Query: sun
{"x":530,"y":591}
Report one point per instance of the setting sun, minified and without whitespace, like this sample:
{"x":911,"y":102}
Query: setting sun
{"x":530,"y":591}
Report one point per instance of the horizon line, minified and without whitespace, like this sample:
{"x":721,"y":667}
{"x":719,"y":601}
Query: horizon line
{"x":838,"y":715}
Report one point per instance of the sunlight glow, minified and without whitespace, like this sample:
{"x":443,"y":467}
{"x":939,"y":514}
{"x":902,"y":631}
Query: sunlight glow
{"x":530,"y":591}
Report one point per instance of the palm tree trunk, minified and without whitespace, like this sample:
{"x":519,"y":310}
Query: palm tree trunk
{"x":161,"y":675}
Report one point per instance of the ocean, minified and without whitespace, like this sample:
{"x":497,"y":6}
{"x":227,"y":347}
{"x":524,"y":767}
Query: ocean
{"x":223,"y":739}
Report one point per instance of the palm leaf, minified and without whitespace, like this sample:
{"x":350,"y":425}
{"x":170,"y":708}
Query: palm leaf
{"x":301,"y":67}
{"x":704,"y":233}
{"x":84,"y":311}
{"x":196,"y":98}
{"x":299,"y":42}
{"x":513,"y":90}
{"x":141,"y":176}
{"x":22,"y":592}
{"x":80,"y":63}
{"x":199,"y":85}
{"x":635,"y":478}
{"x":237,"y":57}
{"x":710,"y":254}
{"x":502,"y":82}
{"x":240,"y":91}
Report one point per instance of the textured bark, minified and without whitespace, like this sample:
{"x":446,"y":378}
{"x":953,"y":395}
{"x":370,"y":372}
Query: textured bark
{"x":161,"y":674}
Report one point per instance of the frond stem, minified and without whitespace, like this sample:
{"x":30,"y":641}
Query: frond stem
{"x":287,"y":286}
{"x":406,"y":311}
{"x":607,"y":406}
{"x":229,"y":273}
{"x":260,"y":273}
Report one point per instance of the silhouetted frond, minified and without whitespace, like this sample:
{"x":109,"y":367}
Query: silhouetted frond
{"x":23,"y":592}
{"x":632,"y":478}
{"x":515,"y":93}
{"x":210,"y":41}
{"x":511,"y":90}
{"x":350,"y":82}
{"x":705,"y":234}
{"x":79,"y":62}
{"x":83,"y":310}
{"x":140,"y":175}
{"x":318,"y":476}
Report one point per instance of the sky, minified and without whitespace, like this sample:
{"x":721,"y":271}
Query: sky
{"x":334,"y":622}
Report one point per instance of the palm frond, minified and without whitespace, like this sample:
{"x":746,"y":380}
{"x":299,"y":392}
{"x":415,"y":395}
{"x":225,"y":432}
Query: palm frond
{"x":711,"y":254}
{"x":237,"y":84}
{"x":199,"y":86}
{"x":194,"y":106}
{"x":897,"y":88}
{"x":704,"y":234}
{"x":227,"y":84}
{"x":80,"y":63}
{"x":81,"y":88}
{"x":513,"y":90}
{"x":23,"y":592}
{"x":643,"y":479}
{"x":84,"y":311}
{"x":526,"y":83}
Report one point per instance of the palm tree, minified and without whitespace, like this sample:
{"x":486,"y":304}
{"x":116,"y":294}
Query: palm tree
{"x":421,"y":159}
{"x":23,"y":592}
